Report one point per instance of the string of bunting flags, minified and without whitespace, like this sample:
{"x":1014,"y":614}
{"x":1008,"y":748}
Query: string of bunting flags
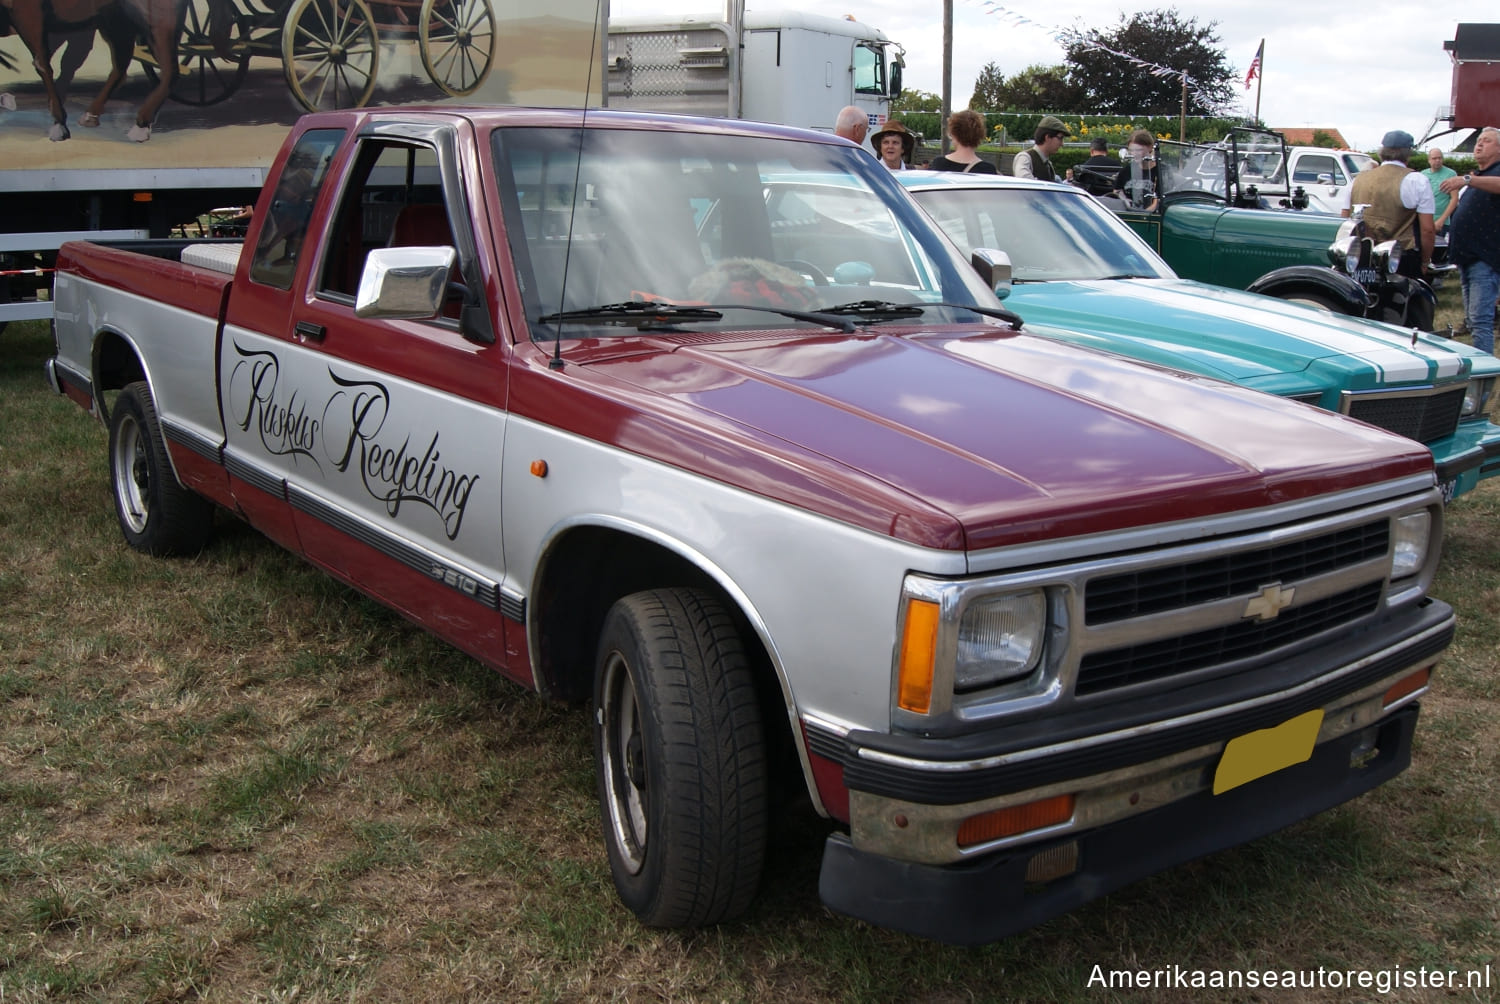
{"x":1067,"y":37}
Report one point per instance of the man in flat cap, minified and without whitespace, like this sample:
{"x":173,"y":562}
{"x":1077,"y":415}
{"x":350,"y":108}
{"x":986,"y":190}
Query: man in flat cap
{"x":1398,"y":203}
{"x":1036,"y":160}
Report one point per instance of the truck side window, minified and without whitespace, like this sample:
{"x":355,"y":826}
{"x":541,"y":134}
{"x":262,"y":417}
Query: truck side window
{"x":394,"y":197}
{"x":1311,"y":166}
{"x":291,"y":206}
{"x":869,"y":70}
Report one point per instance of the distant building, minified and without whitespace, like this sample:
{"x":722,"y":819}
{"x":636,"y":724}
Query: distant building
{"x":1304,"y":137}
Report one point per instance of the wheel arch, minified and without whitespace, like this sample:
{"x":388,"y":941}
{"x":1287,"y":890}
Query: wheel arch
{"x":1287,"y":283}
{"x":588,"y":564}
{"x":116,"y":362}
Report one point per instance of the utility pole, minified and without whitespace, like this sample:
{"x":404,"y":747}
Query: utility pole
{"x":947,"y":71}
{"x":1182,"y":116}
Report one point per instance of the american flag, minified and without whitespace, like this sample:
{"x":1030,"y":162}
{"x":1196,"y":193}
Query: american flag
{"x":1255,"y":64}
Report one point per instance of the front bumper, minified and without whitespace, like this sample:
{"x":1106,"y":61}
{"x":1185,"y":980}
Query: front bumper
{"x":991,"y":898}
{"x":1140,"y":787}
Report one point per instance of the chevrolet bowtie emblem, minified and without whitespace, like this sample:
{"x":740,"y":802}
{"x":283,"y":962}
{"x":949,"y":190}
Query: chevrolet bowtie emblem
{"x":1270,"y":602}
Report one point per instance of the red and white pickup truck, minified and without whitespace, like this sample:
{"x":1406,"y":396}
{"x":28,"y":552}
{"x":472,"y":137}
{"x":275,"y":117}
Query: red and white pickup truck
{"x":782,"y":490}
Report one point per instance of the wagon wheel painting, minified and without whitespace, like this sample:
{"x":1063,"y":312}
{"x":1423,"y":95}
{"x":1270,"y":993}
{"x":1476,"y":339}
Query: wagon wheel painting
{"x":208,"y":70}
{"x":329,"y":53}
{"x":457,"y":43}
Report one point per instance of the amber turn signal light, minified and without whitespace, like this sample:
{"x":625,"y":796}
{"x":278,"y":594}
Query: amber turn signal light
{"x":918,"y":652}
{"x":1016,"y":819}
{"x":1407,"y":685}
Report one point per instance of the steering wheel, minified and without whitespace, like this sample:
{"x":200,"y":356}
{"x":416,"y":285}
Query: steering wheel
{"x":807,"y":268}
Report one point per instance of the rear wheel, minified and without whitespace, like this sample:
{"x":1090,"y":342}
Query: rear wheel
{"x":330,"y":53}
{"x":157,"y":515}
{"x":457,"y":43}
{"x":680,"y":755}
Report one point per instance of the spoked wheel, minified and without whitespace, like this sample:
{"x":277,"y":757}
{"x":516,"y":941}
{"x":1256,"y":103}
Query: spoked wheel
{"x":157,"y":515}
{"x":681,"y":759}
{"x":457,"y":42}
{"x":213,"y":53}
{"x":330,"y":53}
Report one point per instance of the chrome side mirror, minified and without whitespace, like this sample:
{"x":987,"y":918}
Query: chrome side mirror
{"x":404,"y":282}
{"x":994,"y":268}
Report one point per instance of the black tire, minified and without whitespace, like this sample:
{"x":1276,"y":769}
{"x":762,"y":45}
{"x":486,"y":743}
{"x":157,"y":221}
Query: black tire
{"x":680,"y":755}
{"x":157,"y":515}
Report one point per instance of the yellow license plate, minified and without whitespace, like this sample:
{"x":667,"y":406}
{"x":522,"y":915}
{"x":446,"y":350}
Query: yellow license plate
{"x":1266,"y":751}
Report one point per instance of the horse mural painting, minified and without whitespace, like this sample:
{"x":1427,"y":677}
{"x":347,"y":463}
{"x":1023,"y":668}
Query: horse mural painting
{"x":119,"y":23}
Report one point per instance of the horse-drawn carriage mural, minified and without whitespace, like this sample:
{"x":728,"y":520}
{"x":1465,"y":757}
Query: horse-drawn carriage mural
{"x":330,"y":53}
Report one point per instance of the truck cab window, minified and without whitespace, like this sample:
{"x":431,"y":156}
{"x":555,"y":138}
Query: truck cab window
{"x":291,"y":207}
{"x":394,"y":198}
{"x":869,"y":70}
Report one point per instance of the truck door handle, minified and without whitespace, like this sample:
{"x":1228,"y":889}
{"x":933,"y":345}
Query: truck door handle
{"x":312,"y":332}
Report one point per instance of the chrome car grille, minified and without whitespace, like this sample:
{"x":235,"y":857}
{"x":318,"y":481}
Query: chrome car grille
{"x":1155,"y":623}
{"x":1157,"y":660}
{"x":1424,"y":416}
{"x":1154,"y":590}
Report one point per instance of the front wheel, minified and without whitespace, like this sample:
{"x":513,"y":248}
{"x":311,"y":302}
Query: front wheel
{"x":1314,"y":300}
{"x":157,"y":515}
{"x":680,"y":755}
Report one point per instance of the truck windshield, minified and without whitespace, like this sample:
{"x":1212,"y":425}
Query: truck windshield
{"x":619,"y":216}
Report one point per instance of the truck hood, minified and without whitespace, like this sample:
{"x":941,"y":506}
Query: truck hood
{"x":1231,"y":334}
{"x":970,"y":437}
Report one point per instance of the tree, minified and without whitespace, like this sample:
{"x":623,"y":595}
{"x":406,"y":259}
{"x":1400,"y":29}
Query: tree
{"x":1042,"y":89}
{"x":1113,"y":84}
{"x":987,"y":89}
{"x":917,"y":101}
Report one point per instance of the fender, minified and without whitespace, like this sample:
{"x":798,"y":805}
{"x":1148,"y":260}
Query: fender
{"x":1348,"y":295}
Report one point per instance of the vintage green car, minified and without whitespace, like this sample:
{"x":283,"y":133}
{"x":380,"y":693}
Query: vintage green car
{"x":1077,"y":273}
{"x":1225,"y":214}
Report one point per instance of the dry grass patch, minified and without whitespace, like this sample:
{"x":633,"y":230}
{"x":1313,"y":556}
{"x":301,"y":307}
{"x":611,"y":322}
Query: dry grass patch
{"x":230,"y":778}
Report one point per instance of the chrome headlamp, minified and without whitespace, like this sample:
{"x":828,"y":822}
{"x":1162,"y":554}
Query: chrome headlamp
{"x":1345,"y":253}
{"x":1389,"y":254}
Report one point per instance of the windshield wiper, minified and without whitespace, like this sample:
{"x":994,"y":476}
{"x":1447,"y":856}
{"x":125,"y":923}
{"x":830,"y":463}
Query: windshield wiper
{"x":639,"y":313}
{"x":652,"y":314}
{"x":876,"y":310}
{"x":882,"y":310}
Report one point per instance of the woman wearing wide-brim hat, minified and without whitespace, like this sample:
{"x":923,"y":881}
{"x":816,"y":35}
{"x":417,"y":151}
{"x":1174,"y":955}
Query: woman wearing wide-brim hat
{"x":894,"y":145}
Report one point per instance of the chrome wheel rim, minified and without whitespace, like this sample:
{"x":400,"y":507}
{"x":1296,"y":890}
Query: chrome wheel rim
{"x":624,"y":765}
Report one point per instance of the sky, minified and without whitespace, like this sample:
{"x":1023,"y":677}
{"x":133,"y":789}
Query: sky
{"x":1380,"y":66}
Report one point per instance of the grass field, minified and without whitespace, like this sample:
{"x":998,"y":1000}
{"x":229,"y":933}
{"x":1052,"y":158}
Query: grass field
{"x":230,"y":778}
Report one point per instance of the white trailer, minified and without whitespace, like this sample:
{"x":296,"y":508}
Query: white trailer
{"x":784,"y":66}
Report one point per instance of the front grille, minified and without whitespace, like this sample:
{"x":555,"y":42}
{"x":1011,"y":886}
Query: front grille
{"x":1174,"y":587}
{"x":1157,"y":660}
{"x":1423,"y":417}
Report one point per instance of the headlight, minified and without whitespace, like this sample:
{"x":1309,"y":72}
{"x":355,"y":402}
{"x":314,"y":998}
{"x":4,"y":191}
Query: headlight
{"x":1389,"y":252}
{"x":1479,"y":398}
{"x":1413,"y":537}
{"x":1344,"y":253}
{"x":999,"y":638}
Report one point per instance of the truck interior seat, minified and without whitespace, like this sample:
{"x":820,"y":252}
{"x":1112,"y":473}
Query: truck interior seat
{"x":421,"y":225}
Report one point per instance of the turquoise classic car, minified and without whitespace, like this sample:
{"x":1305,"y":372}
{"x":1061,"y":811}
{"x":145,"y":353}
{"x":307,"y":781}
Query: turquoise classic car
{"x":1079,"y":274}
